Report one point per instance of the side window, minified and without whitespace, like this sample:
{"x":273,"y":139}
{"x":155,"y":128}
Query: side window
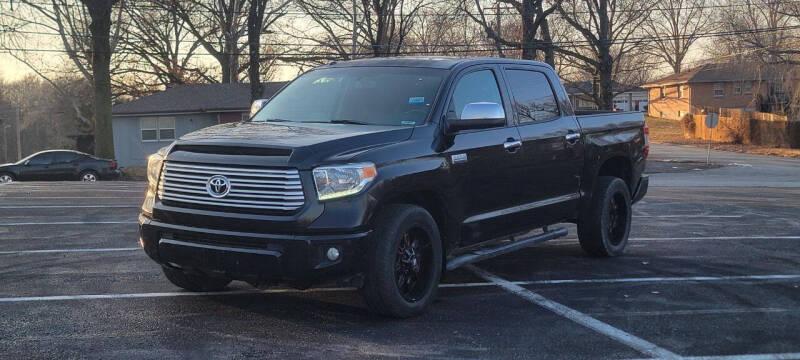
{"x":478,"y":86}
{"x":42,"y":159}
{"x":534,"y":100}
{"x":166,"y":128}
{"x":155,"y":129}
{"x":64,"y":157}
{"x":149,"y":129}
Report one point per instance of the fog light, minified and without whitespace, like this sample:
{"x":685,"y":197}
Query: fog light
{"x":333,"y":254}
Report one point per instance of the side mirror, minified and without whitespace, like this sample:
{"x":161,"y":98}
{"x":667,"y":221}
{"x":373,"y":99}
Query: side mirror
{"x":257,"y":105}
{"x":480,"y":115}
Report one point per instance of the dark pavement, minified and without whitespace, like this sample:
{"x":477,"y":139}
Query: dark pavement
{"x":710,"y":271}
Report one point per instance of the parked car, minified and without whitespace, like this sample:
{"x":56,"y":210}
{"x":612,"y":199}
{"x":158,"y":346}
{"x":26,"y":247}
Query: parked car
{"x":384,"y":173}
{"x":59,"y":165}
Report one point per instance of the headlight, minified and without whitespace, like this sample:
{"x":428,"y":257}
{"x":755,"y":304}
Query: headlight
{"x":154,"y":164}
{"x":343,"y":180}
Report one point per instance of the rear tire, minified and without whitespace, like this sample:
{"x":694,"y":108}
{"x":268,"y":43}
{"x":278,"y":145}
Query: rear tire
{"x":89,"y":176}
{"x":603,"y":231}
{"x":195,"y":282}
{"x":404,"y":262}
{"x":6,"y":178}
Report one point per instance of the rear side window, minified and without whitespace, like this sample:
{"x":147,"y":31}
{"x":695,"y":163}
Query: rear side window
{"x":64,"y":157}
{"x":534,"y":100}
{"x":478,"y":86}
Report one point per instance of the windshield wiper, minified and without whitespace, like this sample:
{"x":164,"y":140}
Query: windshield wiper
{"x":273,"y":120}
{"x":344,"y":121}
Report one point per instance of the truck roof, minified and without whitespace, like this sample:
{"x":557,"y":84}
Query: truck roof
{"x":437,"y":62}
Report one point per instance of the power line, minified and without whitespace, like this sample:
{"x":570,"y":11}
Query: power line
{"x":347,"y":16}
{"x":539,"y":44}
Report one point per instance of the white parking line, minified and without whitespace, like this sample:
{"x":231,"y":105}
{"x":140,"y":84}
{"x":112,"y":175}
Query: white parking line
{"x":689,"y":216}
{"x":783,"y":356}
{"x":639,"y":344}
{"x":573,"y":240}
{"x":71,"y":197}
{"x":52,"y":251}
{"x":66,"y":206}
{"x":69,"y":223}
{"x":715,"y":238}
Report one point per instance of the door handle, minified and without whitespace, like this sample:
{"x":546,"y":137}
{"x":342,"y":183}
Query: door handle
{"x":572,"y":138}
{"x":512,"y":145}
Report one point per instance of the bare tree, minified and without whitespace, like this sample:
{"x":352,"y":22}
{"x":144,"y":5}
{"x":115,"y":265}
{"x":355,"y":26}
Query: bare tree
{"x":764,"y":30}
{"x":85,"y":33}
{"x":381,"y":27}
{"x":674,"y":26}
{"x":535,"y":29}
{"x":162,"y":51}
{"x":258,"y":22}
{"x":609,"y":29}
{"x":218,"y":25}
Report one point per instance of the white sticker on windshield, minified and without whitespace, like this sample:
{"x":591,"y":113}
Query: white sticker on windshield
{"x":416,"y":100}
{"x":408,"y":122}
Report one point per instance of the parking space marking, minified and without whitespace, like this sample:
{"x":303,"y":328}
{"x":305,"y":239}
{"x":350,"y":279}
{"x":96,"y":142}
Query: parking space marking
{"x":756,"y":237}
{"x":65,"y":206}
{"x":689,"y":216}
{"x":71,"y":197}
{"x":162,"y":294}
{"x":783,"y":356}
{"x":637,"y":343}
{"x":53,"y":251}
{"x":70,"y":223}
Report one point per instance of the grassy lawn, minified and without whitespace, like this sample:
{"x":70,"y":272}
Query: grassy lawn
{"x":670,"y":132}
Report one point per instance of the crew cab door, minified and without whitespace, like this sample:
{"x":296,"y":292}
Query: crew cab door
{"x":552,"y":148}
{"x":482,"y":161}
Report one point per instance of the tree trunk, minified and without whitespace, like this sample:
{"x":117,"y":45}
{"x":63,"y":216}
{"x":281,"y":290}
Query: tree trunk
{"x":100,"y":28}
{"x":255,"y":17}
{"x":528,"y":31}
{"x":605,"y":96}
{"x":549,"y":51}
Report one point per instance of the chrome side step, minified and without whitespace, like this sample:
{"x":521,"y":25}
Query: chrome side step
{"x":487,"y":253}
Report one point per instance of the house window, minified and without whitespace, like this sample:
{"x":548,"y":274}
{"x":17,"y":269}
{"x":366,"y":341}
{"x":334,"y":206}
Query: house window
{"x":748,"y":87}
{"x":682,"y":91}
{"x":718,"y":90}
{"x":158,"y":129}
{"x":737,"y":88}
{"x":663,"y":92}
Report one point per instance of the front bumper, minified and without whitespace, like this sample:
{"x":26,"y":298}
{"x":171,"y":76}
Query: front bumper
{"x":258,"y":258}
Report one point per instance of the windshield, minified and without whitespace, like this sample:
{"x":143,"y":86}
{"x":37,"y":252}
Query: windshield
{"x":396,"y":96}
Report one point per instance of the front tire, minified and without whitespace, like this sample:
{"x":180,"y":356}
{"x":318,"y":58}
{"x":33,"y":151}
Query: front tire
{"x":603,"y":231}
{"x":404,"y":262}
{"x":195,"y":282}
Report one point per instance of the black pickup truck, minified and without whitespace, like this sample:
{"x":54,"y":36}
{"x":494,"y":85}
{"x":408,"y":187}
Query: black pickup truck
{"x":384,"y":173}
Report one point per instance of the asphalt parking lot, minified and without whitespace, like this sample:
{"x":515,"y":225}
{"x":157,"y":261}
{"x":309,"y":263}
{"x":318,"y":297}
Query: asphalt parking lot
{"x":712,"y":272}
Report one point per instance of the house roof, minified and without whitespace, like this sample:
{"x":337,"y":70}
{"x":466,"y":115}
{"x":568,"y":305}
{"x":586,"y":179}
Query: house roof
{"x":710,"y":73}
{"x":196,"y":98}
{"x":585,"y":87}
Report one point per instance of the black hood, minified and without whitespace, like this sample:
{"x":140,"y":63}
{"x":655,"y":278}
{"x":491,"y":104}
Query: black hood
{"x":294,"y":144}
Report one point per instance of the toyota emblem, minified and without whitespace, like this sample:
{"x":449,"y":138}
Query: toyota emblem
{"x":218,"y":186}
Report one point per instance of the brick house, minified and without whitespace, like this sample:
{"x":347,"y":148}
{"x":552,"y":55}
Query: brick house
{"x":735,"y":86}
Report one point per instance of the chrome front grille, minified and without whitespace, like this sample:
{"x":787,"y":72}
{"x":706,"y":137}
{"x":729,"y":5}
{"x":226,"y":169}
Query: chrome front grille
{"x":250,"y":187}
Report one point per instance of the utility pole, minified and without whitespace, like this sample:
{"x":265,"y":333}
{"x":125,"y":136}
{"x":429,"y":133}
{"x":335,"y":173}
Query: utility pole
{"x":355,"y":32}
{"x":19,"y":140}
{"x":5,"y":143}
